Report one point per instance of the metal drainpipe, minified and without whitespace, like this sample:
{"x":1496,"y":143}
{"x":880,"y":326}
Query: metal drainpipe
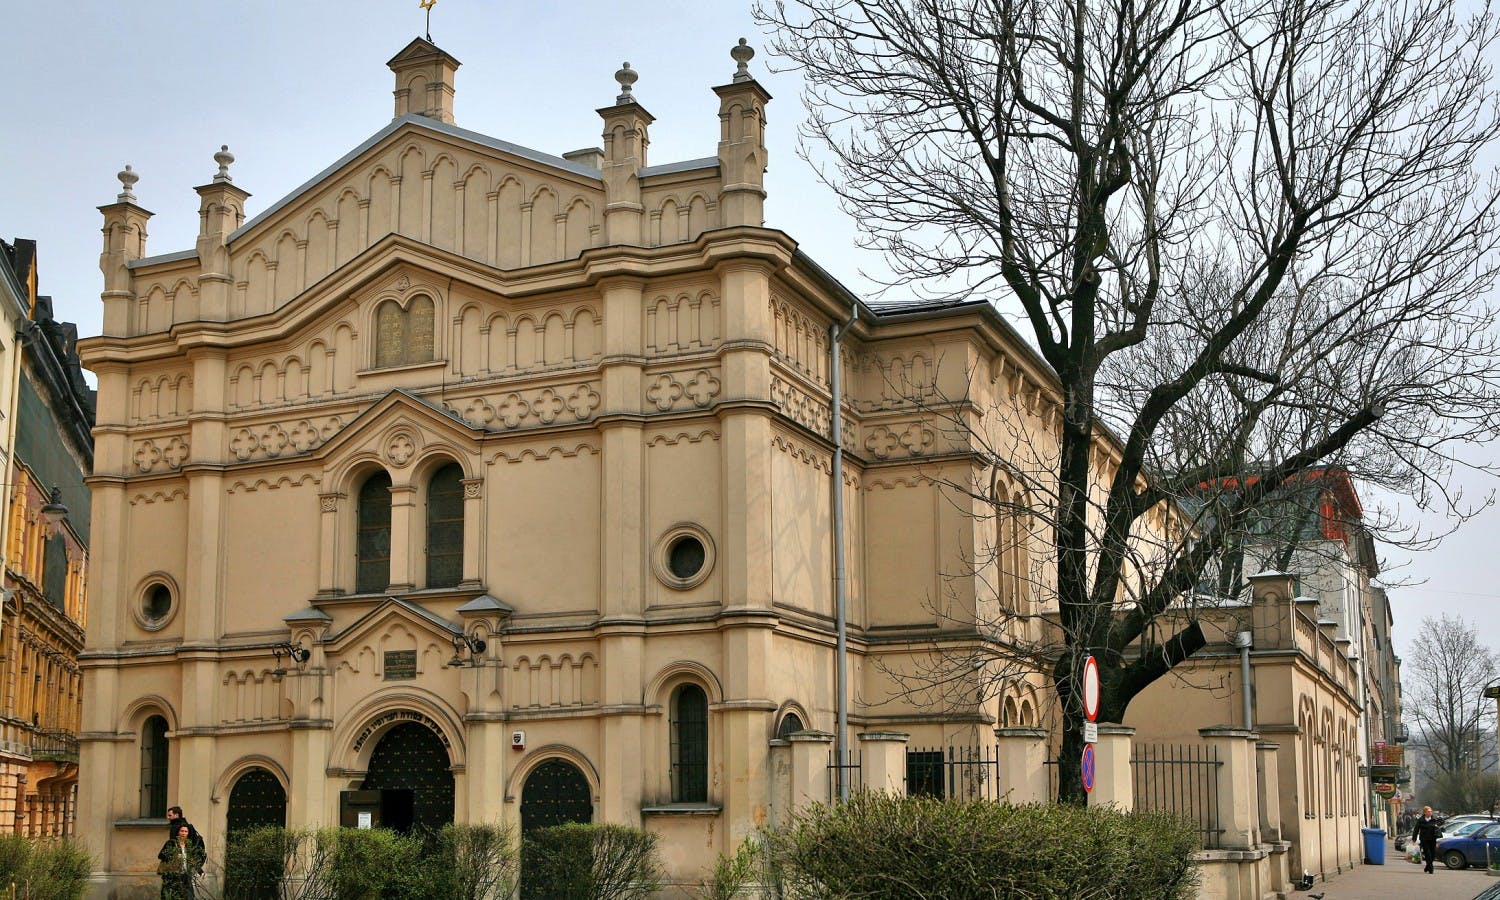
{"x":1242,"y":640}
{"x":840,"y":592}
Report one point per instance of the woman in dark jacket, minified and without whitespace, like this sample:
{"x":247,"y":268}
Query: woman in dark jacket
{"x":178,"y":862}
{"x":1426,"y":835}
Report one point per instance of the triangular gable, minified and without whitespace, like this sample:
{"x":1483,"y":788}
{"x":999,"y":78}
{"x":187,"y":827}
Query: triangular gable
{"x":420,"y":48}
{"x":416,"y":124}
{"x":394,"y":609}
{"x":389,"y":410}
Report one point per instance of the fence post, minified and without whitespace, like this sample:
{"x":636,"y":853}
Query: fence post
{"x":882,"y":761}
{"x":1238,"y":807}
{"x":1268,"y":790}
{"x":1112,"y":779}
{"x":809,"y":766}
{"x":1023,"y":765}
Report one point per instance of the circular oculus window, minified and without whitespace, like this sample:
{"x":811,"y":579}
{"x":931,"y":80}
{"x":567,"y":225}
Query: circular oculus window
{"x":684,"y":557}
{"x":156,"y":607}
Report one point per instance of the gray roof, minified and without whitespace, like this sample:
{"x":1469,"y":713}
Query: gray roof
{"x":686,"y":165}
{"x":162,"y":258}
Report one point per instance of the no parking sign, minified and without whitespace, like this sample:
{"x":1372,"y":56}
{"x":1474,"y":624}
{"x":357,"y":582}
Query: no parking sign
{"x":1088,"y":768}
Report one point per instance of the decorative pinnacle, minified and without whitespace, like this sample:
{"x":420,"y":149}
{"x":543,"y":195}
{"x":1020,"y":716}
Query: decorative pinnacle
{"x":626,"y":77}
{"x":742,"y":53}
{"x":128,"y":177}
{"x":223,"y":158}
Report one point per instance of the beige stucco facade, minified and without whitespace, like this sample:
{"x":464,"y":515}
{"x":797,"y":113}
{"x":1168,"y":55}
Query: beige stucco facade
{"x":618,"y":357}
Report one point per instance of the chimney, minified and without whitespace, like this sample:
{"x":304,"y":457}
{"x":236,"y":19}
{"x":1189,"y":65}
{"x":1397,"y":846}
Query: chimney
{"x":424,"y":81}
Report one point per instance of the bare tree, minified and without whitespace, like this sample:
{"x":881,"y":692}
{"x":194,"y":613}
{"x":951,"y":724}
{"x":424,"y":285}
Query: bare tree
{"x":1249,"y":237}
{"x":1446,"y":674}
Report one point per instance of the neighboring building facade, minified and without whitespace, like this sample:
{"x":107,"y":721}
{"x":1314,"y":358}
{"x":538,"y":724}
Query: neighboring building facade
{"x":46,"y":540}
{"x":473,"y":483}
{"x":1316,"y":673}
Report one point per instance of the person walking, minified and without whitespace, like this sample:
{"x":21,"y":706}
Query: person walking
{"x":1425,"y":833}
{"x":176,"y":818}
{"x":179,"y":862}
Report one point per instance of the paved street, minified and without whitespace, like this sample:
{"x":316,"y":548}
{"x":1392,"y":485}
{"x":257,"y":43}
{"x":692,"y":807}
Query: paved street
{"x":1401,"y":880}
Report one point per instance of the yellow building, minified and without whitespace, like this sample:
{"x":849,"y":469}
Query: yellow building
{"x":45,"y":540}
{"x":470,"y":482}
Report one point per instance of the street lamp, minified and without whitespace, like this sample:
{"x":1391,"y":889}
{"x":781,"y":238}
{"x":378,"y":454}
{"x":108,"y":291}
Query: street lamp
{"x":54,"y":511}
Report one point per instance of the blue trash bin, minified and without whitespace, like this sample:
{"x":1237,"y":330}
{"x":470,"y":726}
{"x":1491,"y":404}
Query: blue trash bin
{"x":1374,"y":846}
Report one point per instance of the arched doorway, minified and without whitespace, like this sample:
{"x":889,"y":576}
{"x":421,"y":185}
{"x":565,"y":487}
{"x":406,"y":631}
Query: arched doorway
{"x":555,"y":793}
{"x":411,"y":769}
{"x":256,"y":801}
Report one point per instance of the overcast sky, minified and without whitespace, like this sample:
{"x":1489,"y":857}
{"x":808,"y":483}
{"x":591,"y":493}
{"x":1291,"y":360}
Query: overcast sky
{"x":290,"y":87}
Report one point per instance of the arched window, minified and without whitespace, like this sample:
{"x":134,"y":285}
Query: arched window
{"x":445,"y":527}
{"x":790,"y":723}
{"x":373,"y":542}
{"x":154,"y":768}
{"x":689,"y":745}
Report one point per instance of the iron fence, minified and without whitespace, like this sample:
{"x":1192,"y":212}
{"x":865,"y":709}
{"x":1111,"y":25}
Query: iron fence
{"x":1181,"y":779}
{"x":957,"y":773}
{"x":850,"y":768}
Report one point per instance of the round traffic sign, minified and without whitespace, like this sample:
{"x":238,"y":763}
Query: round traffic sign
{"x":1091,"y":688}
{"x":1088,"y":768}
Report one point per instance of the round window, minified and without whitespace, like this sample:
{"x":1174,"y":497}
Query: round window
{"x":157,"y":603}
{"x":685,"y":557}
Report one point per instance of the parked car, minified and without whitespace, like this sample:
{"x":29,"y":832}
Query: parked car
{"x":1452,"y":824}
{"x":1472,"y":849}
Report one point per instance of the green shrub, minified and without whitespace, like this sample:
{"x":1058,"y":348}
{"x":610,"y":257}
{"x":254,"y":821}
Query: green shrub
{"x":732,"y":873}
{"x":882,"y":846}
{"x":256,"y":861}
{"x":590,"y":862}
{"x":44,"y":868}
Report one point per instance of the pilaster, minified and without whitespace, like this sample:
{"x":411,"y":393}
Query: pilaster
{"x":1022,"y":758}
{"x":221,"y":210}
{"x":124,"y":241}
{"x":1112,"y":782}
{"x":1235,"y":774}
{"x":882,"y":761}
{"x":742,"y":144}
{"x":403,"y":531}
{"x":810,"y":751}
{"x":626,"y":139}
{"x":1268,"y":789}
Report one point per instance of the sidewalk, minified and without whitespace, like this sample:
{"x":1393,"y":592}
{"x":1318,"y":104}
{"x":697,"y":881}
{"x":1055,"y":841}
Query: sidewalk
{"x":1401,"y":880}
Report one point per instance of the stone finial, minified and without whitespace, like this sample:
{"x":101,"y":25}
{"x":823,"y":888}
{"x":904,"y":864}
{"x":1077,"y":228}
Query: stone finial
{"x":742,"y":53}
{"x":626,"y":77}
{"x":223,"y":158}
{"x":128,"y":177}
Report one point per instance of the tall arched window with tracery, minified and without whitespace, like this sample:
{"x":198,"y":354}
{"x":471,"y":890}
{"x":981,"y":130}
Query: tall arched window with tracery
{"x":372,"y":545}
{"x":445,"y":527}
{"x":154,"y":768}
{"x":689,"y":725}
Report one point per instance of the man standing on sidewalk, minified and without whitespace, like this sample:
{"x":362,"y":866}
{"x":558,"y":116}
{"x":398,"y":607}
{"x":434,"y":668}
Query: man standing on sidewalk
{"x":1426,"y":835}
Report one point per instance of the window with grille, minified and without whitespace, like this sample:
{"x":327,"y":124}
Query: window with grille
{"x":924,"y":773}
{"x":689,"y":745}
{"x":373,"y":542}
{"x":154,"y":768}
{"x":445,"y":527}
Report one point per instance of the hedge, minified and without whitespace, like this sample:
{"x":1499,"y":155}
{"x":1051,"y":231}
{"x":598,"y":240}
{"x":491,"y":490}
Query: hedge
{"x":921,"y":848}
{"x":44,"y":868}
{"x":589,"y":862}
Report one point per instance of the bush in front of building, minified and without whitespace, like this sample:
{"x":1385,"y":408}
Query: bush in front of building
{"x":43,"y":868}
{"x":461,"y":862}
{"x":590,"y":862}
{"x":885,"y":846}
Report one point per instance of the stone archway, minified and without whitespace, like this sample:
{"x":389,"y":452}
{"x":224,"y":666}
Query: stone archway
{"x":555,"y":793}
{"x":411,"y":769}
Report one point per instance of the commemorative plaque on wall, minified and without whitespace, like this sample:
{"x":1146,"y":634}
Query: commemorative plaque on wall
{"x":400,"y":665}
